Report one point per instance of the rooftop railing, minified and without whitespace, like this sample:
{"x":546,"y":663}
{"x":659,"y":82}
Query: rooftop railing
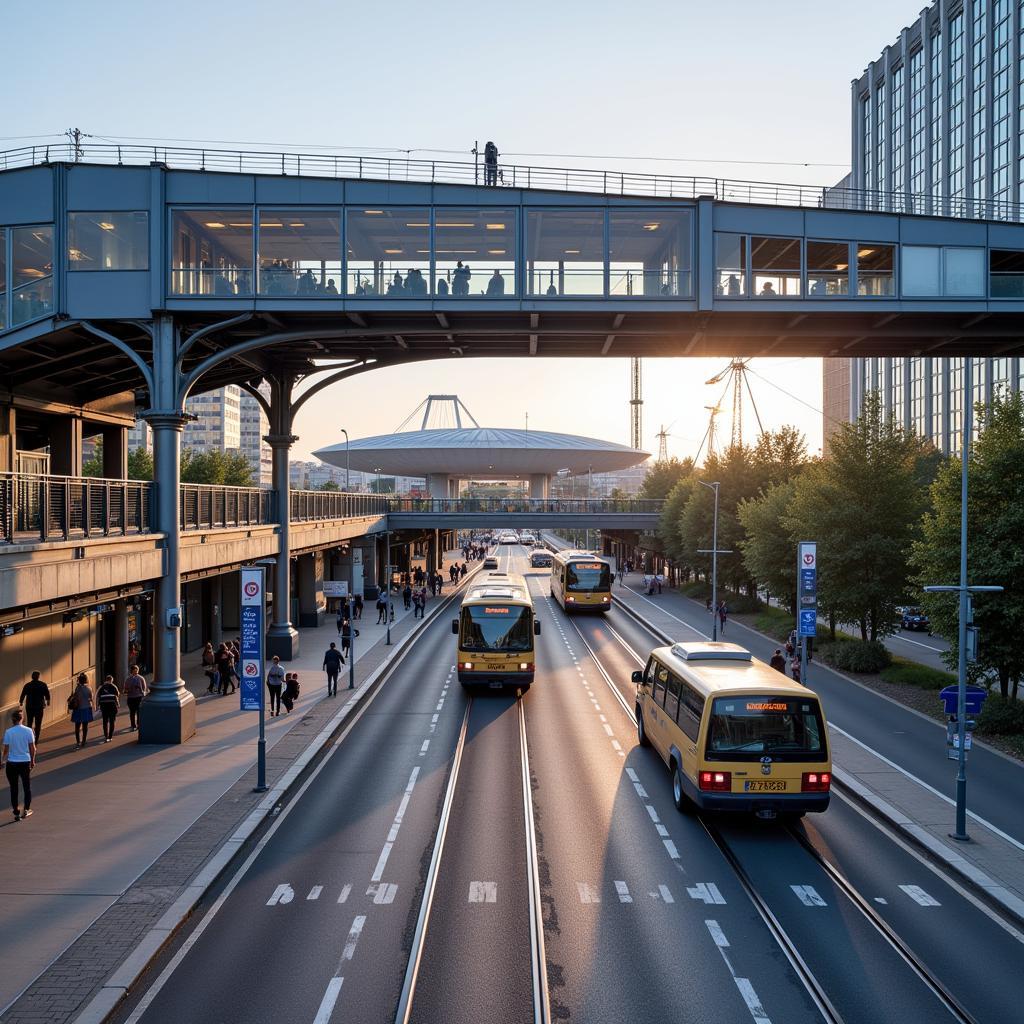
{"x":562,"y":179}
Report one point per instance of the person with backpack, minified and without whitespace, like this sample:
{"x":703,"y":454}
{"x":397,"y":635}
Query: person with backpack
{"x":108,"y":697}
{"x":291,"y":691}
{"x":333,"y":660}
{"x":778,"y":662}
{"x":80,"y":704}
{"x":35,"y":698}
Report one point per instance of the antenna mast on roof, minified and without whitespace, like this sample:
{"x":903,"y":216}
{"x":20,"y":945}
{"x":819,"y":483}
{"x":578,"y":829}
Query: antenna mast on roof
{"x":450,"y":404}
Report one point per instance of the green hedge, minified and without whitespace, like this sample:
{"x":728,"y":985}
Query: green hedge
{"x":910,"y":673}
{"x":856,"y":655}
{"x":1001,"y":716}
{"x":775,"y":622}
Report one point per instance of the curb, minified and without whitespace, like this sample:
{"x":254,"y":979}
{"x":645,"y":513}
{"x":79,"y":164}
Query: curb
{"x":996,"y":896}
{"x":117,"y":986}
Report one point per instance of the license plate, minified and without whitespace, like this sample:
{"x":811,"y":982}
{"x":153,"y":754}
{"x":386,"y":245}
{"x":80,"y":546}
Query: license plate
{"x":495,"y":667}
{"x":759,"y":786}
{"x":494,"y":685}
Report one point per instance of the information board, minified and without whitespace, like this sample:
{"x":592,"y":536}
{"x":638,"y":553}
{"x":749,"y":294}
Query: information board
{"x":807,"y":587}
{"x":250,"y":686}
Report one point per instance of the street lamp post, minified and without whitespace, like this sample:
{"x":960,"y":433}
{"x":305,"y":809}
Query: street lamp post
{"x":387,"y":584}
{"x":714,"y":552}
{"x":348,"y":463}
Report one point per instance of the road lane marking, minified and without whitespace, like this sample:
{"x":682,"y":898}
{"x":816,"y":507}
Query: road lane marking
{"x":671,"y":847}
{"x":423,"y":749}
{"x":708,"y":892}
{"x":640,"y":791}
{"x":717,"y":934}
{"x":919,"y":896}
{"x":383,"y":893}
{"x":343,"y":895}
{"x":284,"y":893}
{"x":653,"y":813}
{"x":608,"y":729}
{"x":588,"y":893}
{"x":631,"y":772}
{"x":483,"y":892}
{"x":314,"y":893}
{"x":746,"y":990}
{"x":353,"y":937}
{"x":623,"y":890}
{"x":808,"y":896}
{"x":665,"y":894}
{"x":323,"y":1015}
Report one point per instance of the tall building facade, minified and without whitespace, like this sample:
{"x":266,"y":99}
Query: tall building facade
{"x":218,"y":420}
{"x":253,"y":427}
{"x":937,"y":128}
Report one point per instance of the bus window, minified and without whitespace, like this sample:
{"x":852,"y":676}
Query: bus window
{"x":488,"y":627}
{"x":691,"y":707}
{"x":661,"y":675}
{"x":745,"y":728}
{"x":672,"y":697}
{"x":592,"y":577}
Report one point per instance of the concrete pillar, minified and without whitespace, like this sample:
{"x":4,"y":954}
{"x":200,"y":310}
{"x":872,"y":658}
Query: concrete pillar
{"x":282,"y":637}
{"x":540,"y":484}
{"x":120,"y":641}
{"x":115,"y":453}
{"x":310,"y":572}
{"x":8,"y":439}
{"x":66,"y":446}
{"x":438,"y":485}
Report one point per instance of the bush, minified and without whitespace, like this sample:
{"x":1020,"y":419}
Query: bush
{"x":910,"y":673}
{"x":856,"y":655}
{"x":1001,"y":716}
{"x":775,"y":622}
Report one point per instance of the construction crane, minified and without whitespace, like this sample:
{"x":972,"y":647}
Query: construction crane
{"x":735,"y":377}
{"x":636,"y":404}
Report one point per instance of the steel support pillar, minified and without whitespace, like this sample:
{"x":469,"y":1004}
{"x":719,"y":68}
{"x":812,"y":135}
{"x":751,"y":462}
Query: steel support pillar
{"x":115,"y":453}
{"x":282,"y":637}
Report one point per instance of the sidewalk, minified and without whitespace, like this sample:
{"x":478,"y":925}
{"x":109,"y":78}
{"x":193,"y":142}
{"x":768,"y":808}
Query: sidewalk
{"x":991,"y":864}
{"x":119,"y":828}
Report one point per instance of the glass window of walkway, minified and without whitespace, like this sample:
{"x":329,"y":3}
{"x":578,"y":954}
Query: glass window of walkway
{"x":31,"y":272}
{"x":875,"y":269}
{"x":211,"y":252}
{"x":649,"y":253}
{"x":776,"y":266}
{"x":828,"y":268}
{"x":565,"y":253}
{"x":388,"y":252}
{"x":300,"y":253}
{"x":113,"y":240}
{"x":730,"y":265}
{"x":474,"y":252}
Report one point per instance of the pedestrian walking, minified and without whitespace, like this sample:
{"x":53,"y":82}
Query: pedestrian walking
{"x":210,"y":665}
{"x":407,"y":596}
{"x":135,"y":689}
{"x":35,"y":698}
{"x":348,"y":631}
{"x":275,"y":682}
{"x":382,"y":608}
{"x":333,"y":661}
{"x":108,"y":697}
{"x":358,"y":606}
{"x":228,"y":672}
{"x":19,"y":756}
{"x":723,"y":615}
{"x":291,"y":691}
{"x":778,"y":662}
{"x":80,"y":704}
{"x":794,"y":669}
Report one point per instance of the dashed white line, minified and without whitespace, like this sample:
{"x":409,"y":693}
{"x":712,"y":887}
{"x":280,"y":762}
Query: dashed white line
{"x":665,"y":894}
{"x":919,"y":896}
{"x":707,"y":892}
{"x":353,"y":937}
{"x":746,"y":990}
{"x":808,"y":896}
{"x":671,"y":847}
{"x":383,"y":893}
{"x":343,"y":895}
{"x":323,"y":1014}
{"x":314,"y":893}
{"x":623,"y":890}
{"x":423,"y":749}
{"x":382,"y":860}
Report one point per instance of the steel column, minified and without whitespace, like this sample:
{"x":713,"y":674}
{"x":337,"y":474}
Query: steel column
{"x":282,"y":637}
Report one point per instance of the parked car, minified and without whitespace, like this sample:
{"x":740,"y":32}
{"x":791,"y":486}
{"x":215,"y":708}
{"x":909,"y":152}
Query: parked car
{"x":915,"y":618}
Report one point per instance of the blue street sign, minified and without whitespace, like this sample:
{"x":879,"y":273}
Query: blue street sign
{"x":808,"y":581}
{"x":808,"y":622}
{"x":974,"y":699}
{"x":250,"y":687}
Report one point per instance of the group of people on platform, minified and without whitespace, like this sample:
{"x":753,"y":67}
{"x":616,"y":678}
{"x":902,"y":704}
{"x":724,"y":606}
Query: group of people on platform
{"x":220,"y":666}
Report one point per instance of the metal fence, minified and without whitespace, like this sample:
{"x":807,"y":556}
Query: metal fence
{"x":64,"y":507}
{"x":563,"y":179}
{"x":311,"y":505}
{"x":212,"y":506}
{"x":526,"y":506}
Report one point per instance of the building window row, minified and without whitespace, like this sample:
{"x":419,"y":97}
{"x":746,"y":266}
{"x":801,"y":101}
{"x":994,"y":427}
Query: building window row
{"x":420,"y":252}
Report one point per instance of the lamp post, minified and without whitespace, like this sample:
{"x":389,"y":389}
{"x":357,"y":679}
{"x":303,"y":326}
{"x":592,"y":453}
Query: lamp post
{"x":348,"y":463}
{"x":387,"y":584}
{"x":714,"y":552}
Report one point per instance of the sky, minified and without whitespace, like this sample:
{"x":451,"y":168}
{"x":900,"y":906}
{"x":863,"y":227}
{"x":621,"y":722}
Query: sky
{"x":729,"y":88}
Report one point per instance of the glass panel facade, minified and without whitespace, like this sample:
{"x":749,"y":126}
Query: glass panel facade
{"x":3,"y":278}
{"x":921,"y":269}
{"x":730,"y":265}
{"x":113,"y":240}
{"x":211,"y":252}
{"x":828,"y":268}
{"x":956,"y":403}
{"x":963,"y":272}
{"x":31,"y":273}
{"x":1006,"y":273}
{"x":775,"y":263}
{"x":918,"y":409}
{"x":918,"y":136}
{"x":896,"y":393}
{"x":875,"y":269}
{"x":388,"y":252}
{"x":475,"y":252}
{"x":565,"y":252}
{"x":957,"y":130}
{"x":1000,"y":377}
{"x":938,"y":396}
{"x":650,"y":253}
{"x":299,"y":253}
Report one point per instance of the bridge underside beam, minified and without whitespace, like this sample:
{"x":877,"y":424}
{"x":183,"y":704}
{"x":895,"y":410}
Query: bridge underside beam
{"x":522,"y":520}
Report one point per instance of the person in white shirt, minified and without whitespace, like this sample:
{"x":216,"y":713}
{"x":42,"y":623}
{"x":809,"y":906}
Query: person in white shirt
{"x":19,"y":751}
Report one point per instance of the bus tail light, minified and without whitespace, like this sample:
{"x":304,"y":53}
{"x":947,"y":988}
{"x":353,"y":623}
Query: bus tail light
{"x":716,"y":782}
{"x":815,"y":782}
{"x":468,"y":666}
{"x":570,"y":600}
{"x":523,"y":666}
{"x":605,"y":599}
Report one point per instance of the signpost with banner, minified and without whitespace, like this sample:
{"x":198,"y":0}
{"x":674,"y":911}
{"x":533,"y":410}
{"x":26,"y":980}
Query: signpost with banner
{"x":250,"y":686}
{"x":807,"y":599}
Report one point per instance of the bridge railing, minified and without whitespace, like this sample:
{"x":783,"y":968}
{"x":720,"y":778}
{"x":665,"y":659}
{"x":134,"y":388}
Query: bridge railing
{"x":50,"y":508}
{"x":508,"y":175}
{"x":311,"y":505}
{"x":213,"y":506}
{"x":525,"y":506}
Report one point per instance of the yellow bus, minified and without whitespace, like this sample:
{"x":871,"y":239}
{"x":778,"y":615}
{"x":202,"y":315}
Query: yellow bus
{"x":736,"y":734}
{"x":496,"y":626}
{"x":581,"y":581}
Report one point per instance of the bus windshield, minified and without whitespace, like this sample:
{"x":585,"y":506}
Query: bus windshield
{"x":592,"y":577}
{"x":748,"y":728}
{"x":491,"y":627}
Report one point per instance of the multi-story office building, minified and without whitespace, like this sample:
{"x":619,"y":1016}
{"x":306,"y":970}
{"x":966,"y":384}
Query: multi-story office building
{"x":140,"y":436}
{"x":218,"y":420}
{"x":253,"y":427}
{"x":937,"y":128}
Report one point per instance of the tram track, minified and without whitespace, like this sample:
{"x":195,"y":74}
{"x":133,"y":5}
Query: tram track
{"x":790,"y":946}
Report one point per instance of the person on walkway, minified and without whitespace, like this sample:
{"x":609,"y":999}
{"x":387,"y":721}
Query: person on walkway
{"x":659,"y":581}
{"x":135,"y":689}
{"x":794,"y":669}
{"x":723,"y":615}
{"x":229,"y":673}
{"x":778,"y":662}
{"x":341,"y":617}
{"x":35,"y":697}
{"x":291,"y":691}
{"x":490,"y":164}
{"x":80,"y":704}
{"x":275,"y":681}
{"x":108,"y":697}
{"x":357,"y":606}
{"x":382,"y":608}
{"x":333,"y":661}
{"x":419,"y":610}
{"x":348,"y":631}
{"x":19,"y":755}
{"x":407,"y":596}
{"x":209,"y":659}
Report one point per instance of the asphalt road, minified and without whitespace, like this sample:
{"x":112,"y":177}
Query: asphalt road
{"x":644,"y":917}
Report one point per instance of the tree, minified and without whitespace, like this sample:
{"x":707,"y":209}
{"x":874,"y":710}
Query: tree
{"x":668,"y":523}
{"x":863,"y":506}
{"x":769,"y":548}
{"x":140,"y":464}
{"x":228,"y":468}
{"x":995,"y":554}
{"x":329,"y":485}
{"x":663,"y":476}
{"x":94,"y":466}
